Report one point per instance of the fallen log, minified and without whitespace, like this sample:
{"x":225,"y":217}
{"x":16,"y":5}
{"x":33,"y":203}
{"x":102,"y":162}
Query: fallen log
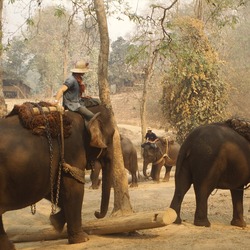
{"x":129,"y":223}
{"x":110,"y":225}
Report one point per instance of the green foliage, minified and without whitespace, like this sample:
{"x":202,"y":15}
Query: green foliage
{"x":119,"y":70}
{"x":60,"y":11}
{"x":193,"y":93}
{"x":14,"y":58}
{"x":30,"y":22}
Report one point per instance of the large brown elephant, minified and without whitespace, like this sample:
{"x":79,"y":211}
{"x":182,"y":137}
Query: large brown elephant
{"x":30,"y":167}
{"x":212,"y":157}
{"x":130,"y":163}
{"x":163,"y":153}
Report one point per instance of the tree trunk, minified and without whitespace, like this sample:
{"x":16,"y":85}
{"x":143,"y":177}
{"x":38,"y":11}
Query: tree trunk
{"x":148,"y":74}
{"x":3,"y":107}
{"x":198,"y":9}
{"x":120,"y":183}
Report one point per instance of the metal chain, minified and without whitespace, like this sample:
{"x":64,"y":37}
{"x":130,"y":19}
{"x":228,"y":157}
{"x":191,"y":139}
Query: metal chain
{"x":47,"y":129}
{"x":61,"y":146}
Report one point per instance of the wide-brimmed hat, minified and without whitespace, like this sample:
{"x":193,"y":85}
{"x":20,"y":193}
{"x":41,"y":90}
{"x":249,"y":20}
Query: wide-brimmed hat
{"x":149,"y":129}
{"x":81,"y":67}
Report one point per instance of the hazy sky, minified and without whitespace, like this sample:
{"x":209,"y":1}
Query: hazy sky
{"x":14,"y":18}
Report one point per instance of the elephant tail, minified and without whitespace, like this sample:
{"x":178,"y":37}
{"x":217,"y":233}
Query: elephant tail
{"x":182,"y":156}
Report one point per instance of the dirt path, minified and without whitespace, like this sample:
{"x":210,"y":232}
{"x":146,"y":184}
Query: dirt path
{"x":149,"y":196}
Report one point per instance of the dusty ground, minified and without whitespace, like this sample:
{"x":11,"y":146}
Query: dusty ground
{"x":149,"y":196}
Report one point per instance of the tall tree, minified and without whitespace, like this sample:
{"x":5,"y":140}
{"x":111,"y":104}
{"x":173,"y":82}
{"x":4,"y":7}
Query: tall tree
{"x":3,"y":107}
{"x":121,"y":196}
{"x":193,"y":92}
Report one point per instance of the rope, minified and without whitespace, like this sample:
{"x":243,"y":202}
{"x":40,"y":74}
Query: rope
{"x":77,"y":173}
{"x":163,"y":155}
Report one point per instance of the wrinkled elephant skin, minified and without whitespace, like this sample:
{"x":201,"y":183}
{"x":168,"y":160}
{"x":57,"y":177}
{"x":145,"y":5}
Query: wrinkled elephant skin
{"x":212,"y":157}
{"x":25,"y":173}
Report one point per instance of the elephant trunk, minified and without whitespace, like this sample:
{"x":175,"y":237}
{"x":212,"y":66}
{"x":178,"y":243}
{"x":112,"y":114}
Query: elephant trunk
{"x":145,"y":165}
{"x":106,"y":188}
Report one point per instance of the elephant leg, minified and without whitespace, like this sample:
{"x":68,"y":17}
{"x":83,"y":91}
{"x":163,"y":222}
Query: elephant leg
{"x":182,"y":184}
{"x":202,"y":193}
{"x":237,"y":200}
{"x":155,"y":172}
{"x":5,"y":243}
{"x":134,"y":180}
{"x":58,"y":220}
{"x":72,"y":195}
{"x":167,"y":173}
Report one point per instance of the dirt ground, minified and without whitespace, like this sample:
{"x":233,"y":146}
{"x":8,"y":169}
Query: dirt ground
{"x":148,"y":196}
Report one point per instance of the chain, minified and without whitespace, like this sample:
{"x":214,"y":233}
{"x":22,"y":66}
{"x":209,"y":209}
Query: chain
{"x":47,"y":129}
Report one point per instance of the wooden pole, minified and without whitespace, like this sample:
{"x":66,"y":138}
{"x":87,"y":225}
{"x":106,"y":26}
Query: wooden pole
{"x":110,"y":225}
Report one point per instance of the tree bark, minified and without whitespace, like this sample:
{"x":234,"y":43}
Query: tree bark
{"x":120,"y":183}
{"x":148,"y":75}
{"x":198,"y":9}
{"x":124,"y":224}
{"x":3,"y":107}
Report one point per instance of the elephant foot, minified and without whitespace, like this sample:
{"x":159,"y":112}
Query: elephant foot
{"x":178,"y":220}
{"x":156,"y":181}
{"x":165,"y":179}
{"x":133,"y":185}
{"x":5,"y":243}
{"x":94,"y":187}
{"x":202,"y":223}
{"x":77,"y":237}
{"x":238,"y":223}
{"x":57,"y":221}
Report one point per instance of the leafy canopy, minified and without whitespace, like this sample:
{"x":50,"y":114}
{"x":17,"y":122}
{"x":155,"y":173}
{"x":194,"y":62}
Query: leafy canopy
{"x":193,"y":93}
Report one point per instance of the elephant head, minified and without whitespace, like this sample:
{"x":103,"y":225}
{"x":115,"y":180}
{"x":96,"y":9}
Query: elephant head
{"x":99,"y":146}
{"x":164,"y":152}
{"x":150,"y":155}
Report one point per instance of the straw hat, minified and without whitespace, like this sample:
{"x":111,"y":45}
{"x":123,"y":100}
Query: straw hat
{"x":149,"y":129}
{"x":81,"y":67}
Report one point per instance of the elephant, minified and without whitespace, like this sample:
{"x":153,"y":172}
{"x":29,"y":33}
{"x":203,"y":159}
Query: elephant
{"x":213,"y":156}
{"x":130,"y":162}
{"x":164,"y":152}
{"x":32,"y":167}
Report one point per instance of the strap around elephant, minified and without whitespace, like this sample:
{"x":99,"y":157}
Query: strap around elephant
{"x":77,"y":173}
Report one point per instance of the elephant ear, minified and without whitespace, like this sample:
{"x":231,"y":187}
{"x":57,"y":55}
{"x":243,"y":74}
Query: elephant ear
{"x":97,"y":138}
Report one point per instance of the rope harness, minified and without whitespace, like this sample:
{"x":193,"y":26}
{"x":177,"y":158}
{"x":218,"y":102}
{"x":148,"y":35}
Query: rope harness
{"x":164,"y":155}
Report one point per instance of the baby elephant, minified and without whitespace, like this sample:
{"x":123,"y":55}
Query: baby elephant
{"x":130,"y":162}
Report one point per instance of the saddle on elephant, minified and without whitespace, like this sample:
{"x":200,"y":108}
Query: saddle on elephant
{"x":43,"y":117}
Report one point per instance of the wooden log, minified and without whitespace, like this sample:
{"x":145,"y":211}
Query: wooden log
{"x":132,"y":222}
{"x":110,"y":225}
